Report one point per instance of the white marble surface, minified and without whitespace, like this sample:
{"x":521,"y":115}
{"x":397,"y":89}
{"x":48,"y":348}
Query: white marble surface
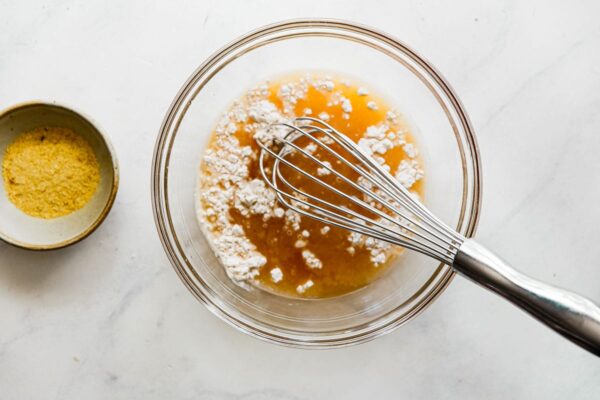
{"x":109,"y":318}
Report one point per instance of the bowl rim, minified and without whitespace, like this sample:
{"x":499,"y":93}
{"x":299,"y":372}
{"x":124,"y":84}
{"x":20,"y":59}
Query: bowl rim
{"x":160,"y":201}
{"x":114,"y":186}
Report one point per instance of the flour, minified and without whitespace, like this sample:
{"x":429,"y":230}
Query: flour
{"x":255,"y":198}
{"x":322,"y":171}
{"x":391,"y":117}
{"x":292,"y":220}
{"x":408,"y":173}
{"x":311,"y":260}
{"x":346,"y":105}
{"x":324,"y":84}
{"x":278,"y":212}
{"x":290,"y":93}
{"x":371,"y":105}
{"x":300,"y":243}
{"x":227,"y":185}
{"x":311,"y":148}
{"x":276,"y":275}
{"x":379,"y":250}
{"x":378,"y":139}
{"x":410,"y":150}
{"x":238,"y":255}
{"x":306,"y":285}
{"x":265,"y":113}
{"x":225,"y":182}
{"x":324,"y":116}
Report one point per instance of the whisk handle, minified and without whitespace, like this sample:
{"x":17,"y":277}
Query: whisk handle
{"x":571,"y":315}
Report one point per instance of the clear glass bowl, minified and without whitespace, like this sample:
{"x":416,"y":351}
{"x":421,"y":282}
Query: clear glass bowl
{"x":408,"y":82}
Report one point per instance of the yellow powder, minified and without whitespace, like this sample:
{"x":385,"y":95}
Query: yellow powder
{"x":50,"y":172}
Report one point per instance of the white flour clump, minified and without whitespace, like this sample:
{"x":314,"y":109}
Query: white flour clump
{"x":378,"y":139}
{"x":238,"y":255}
{"x":290,"y":93}
{"x":255,"y":198}
{"x":311,"y":148}
{"x":265,"y":113}
{"x":325,"y":84}
{"x":324,"y":116}
{"x":300,"y":243}
{"x":322,"y":171}
{"x":306,"y":285}
{"x":311,"y":260}
{"x":276,"y":275}
{"x":346,"y":105}
{"x":408,"y":173}
{"x":379,"y":250}
{"x":292,"y":220}
{"x":410,"y":150}
{"x":278,"y":212}
{"x":225,"y":184}
{"x":229,"y":165}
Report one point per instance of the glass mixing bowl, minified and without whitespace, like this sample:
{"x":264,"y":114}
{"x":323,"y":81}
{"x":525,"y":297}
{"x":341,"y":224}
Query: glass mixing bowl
{"x":408,"y":82}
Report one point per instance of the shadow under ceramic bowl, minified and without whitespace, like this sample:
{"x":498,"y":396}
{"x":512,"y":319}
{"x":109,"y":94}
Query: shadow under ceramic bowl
{"x":409,"y":83}
{"x":22,"y":230}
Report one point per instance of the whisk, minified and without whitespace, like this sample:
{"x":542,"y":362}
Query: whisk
{"x":381,"y":208}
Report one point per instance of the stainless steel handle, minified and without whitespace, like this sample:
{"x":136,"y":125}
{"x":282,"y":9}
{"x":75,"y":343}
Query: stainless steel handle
{"x":571,"y":315}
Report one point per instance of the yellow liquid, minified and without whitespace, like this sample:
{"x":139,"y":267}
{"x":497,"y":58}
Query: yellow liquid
{"x":342,"y":271}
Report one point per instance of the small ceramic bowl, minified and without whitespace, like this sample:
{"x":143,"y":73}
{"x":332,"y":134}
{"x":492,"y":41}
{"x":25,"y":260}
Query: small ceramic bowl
{"x":22,"y":230}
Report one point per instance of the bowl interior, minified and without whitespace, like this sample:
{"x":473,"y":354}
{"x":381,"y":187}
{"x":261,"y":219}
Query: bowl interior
{"x":406,"y":287}
{"x":22,"y":230}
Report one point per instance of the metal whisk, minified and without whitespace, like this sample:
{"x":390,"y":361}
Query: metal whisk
{"x":378,"y":206}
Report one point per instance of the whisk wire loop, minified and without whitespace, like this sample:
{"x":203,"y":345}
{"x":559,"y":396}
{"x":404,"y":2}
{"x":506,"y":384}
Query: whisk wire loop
{"x":406,"y":223}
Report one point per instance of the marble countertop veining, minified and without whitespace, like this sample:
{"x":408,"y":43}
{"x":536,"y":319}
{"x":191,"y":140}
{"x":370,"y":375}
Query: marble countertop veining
{"x":108,"y":318}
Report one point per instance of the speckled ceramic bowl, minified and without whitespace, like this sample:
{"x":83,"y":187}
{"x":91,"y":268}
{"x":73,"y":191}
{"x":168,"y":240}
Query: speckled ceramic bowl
{"x":22,"y":230}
